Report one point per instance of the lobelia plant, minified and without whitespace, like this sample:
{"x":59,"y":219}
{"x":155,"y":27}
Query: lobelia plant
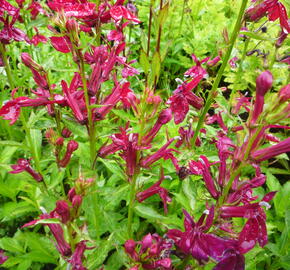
{"x":113,"y":139}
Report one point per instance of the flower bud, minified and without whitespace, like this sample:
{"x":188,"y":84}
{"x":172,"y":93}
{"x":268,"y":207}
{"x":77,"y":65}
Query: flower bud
{"x":72,"y":146}
{"x":264,"y":82}
{"x":165,"y":116}
{"x":66,"y":133}
{"x":284,"y":93}
{"x":30,"y":63}
{"x":59,"y":141}
{"x":63,"y":210}
{"x":71,"y":194}
{"x":77,"y":201}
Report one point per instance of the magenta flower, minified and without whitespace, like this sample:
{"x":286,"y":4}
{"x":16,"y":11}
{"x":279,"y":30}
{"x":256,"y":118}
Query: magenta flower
{"x":3,"y":258}
{"x":199,"y":244}
{"x":284,"y":93}
{"x":217,"y":117}
{"x":231,"y":259}
{"x":197,"y":70}
{"x":155,"y":189}
{"x":161,"y":153}
{"x":120,"y":92}
{"x":183,"y":97}
{"x":150,"y":253}
{"x":24,"y":165}
{"x":73,"y":8}
{"x":9,"y":32}
{"x":233,"y":62}
{"x":243,"y":101}
{"x":119,"y":12}
{"x":201,"y":167}
{"x":61,"y":44}
{"x":36,"y":39}
{"x":185,"y":137}
{"x":255,"y":228}
{"x":77,"y":257}
{"x":164,"y":117}
{"x":214,"y":61}
{"x":35,"y":9}
{"x":271,"y":8}
{"x":7,"y":7}
{"x":128,"y":144}
{"x":62,"y":246}
{"x":62,"y":209}
{"x":71,"y":147}
{"x":75,"y":99}
{"x":271,"y":151}
{"x":263,"y":85}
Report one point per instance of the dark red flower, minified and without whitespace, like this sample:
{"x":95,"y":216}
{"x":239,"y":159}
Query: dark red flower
{"x":77,"y":257}
{"x":201,"y":167}
{"x":63,"y":210}
{"x":56,"y":230}
{"x":24,"y":165}
{"x":164,"y":117}
{"x":163,"y":152}
{"x":71,"y":147}
{"x":36,"y":39}
{"x":9,"y":32}
{"x":183,"y":97}
{"x":255,"y":228}
{"x":196,"y":242}
{"x":155,"y":189}
{"x":231,"y":259}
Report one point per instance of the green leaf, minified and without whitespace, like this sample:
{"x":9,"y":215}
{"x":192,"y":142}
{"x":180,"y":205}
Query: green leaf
{"x":11,"y":245}
{"x":11,"y":143}
{"x":163,"y":14}
{"x":12,"y":210}
{"x":155,"y":69}
{"x":113,"y":167}
{"x":36,"y":138}
{"x":148,"y":212}
{"x":144,"y":62}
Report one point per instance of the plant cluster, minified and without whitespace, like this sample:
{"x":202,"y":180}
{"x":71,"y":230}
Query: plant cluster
{"x":103,"y":166}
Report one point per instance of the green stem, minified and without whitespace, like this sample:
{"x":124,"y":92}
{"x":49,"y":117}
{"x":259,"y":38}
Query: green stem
{"x":212,"y":92}
{"x":6,"y":65}
{"x":91,"y":126}
{"x":131,"y":205}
